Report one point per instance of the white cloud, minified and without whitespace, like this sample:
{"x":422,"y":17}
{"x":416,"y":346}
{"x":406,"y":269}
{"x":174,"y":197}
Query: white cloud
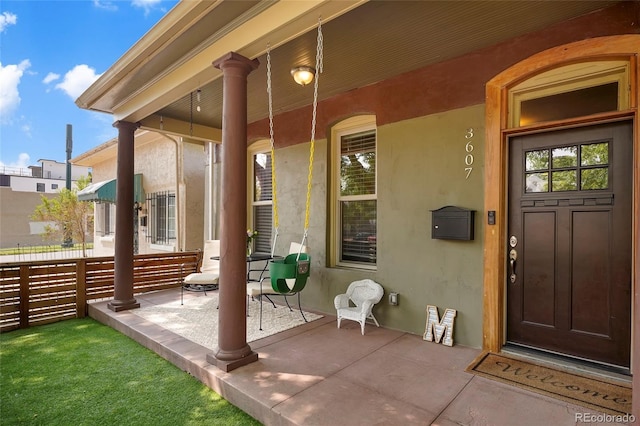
{"x":9,"y":95}
{"x":147,"y":5}
{"x":23,"y":162}
{"x":51,"y":77}
{"x":105,"y":4}
{"x":6,"y":19}
{"x":26,"y":129}
{"x":78,"y":80}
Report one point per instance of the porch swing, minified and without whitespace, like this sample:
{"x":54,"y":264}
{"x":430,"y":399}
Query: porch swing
{"x":289,"y":275}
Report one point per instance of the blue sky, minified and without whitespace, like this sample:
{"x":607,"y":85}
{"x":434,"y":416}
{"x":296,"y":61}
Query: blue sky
{"x":50,"y":52}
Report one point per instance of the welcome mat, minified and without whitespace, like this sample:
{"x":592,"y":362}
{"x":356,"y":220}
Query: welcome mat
{"x":593,"y":393}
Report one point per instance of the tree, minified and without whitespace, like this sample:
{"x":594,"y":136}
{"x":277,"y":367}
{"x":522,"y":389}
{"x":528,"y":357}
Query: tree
{"x":72,"y":219}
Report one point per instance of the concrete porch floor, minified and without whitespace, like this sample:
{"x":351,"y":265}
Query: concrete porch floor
{"x":316,"y":374}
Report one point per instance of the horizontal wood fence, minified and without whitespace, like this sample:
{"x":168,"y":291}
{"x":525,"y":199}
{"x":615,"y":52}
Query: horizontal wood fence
{"x":40,"y":292}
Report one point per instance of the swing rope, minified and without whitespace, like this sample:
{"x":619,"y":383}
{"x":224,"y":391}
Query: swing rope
{"x":312,"y":147}
{"x":319,"y":66}
{"x":274,"y":192}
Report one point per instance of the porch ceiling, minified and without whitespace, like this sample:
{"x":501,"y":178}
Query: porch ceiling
{"x":364,"y":43}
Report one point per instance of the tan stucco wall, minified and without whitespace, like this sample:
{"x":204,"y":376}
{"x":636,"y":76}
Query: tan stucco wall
{"x":193,"y":199}
{"x":155,"y":158}
{"x":420,"y":168}
{"x":15,"y":210}
{"x":157,"y":163}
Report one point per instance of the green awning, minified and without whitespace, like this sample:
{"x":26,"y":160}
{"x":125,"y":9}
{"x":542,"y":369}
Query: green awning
{"x":105,"y":191}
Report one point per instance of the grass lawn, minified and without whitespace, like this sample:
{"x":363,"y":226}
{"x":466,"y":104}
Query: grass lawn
{"x":81,"y":372}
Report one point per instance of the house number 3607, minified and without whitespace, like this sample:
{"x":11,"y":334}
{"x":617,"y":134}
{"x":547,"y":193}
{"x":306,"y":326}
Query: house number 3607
{"x":468,"y":148}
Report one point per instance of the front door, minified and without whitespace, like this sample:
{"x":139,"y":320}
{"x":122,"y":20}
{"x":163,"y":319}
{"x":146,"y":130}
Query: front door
{"x":569,"y":242}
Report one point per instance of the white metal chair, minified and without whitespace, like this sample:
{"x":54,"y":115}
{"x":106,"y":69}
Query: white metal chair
{"x":357,"y":303}
{"x":207,"y":278}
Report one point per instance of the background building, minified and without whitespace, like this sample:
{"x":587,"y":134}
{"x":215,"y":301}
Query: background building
{"x":169,"y":193}
{"x":21,"y":191}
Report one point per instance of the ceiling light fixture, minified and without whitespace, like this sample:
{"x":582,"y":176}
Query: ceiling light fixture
{"x":303,"y":75}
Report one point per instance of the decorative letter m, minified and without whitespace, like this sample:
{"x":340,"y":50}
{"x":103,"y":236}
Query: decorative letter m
{"x":440,"y":328}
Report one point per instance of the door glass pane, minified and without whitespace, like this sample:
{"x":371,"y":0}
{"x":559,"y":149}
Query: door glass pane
{"x":597,"y":178}
{"x":566,"y":180}
{"x":567,"y":156}
{"x":537,"y":160}
{"x":537,"y":182}
{"x":576,"y":103}
{"x":594,"y":154}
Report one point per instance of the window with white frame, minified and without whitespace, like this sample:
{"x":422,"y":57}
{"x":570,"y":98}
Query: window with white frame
{"x":106,"y":218}
{"x":261,"y":202}
{"x":354,"y":191}
{"x":162,"y":217}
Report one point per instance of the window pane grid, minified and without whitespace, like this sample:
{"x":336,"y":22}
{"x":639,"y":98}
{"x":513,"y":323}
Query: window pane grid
{"x":576,"y":167}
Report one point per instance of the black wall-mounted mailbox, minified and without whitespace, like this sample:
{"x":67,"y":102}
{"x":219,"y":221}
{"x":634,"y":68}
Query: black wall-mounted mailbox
{"x":452,"y":223}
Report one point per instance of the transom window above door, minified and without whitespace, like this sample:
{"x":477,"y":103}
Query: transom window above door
{"x":583,"y":167}
{"x":571,"y":91}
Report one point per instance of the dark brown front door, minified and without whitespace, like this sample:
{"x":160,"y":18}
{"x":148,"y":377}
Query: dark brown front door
{"x":569,"y":287}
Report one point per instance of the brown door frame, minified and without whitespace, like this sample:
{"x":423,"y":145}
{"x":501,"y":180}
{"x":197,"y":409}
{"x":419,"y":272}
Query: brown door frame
{"x":496,"y":157}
